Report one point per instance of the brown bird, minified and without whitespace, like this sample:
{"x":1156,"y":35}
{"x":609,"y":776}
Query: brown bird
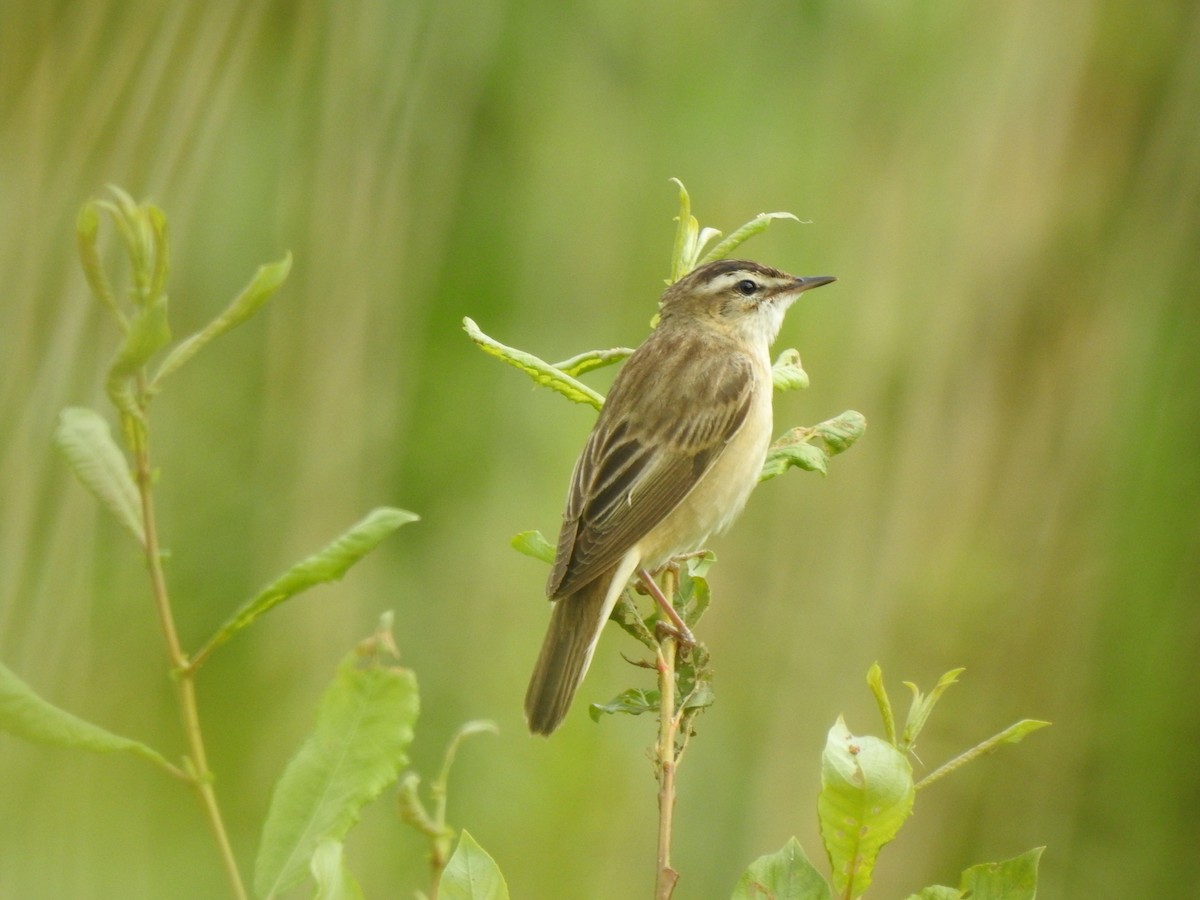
{"x":674,"y":454}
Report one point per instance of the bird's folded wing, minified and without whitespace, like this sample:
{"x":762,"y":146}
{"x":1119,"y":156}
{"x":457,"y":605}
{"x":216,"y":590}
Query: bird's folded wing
{"x":635,"y":469}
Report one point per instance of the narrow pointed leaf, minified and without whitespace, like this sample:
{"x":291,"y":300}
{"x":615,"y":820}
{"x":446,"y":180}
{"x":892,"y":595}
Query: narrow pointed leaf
{"x":364,"y":726}
{"x":84,"y":438}
{"x":148,"y":333}
{"x":1011,"y":735}
{"x":329,"y":564}
{"x":787,"y":374}
{"x":785,"y":875}
{"x":757,"y":225}
{"x":875,"y":681}
{"x":866,"y":794}
{"x":539,"y":370}
{"x":686,"y":230}
{"x":27,"y":715}
{"x":592,"y":359}
{"x":922,"y":707}
{"x":472,"y":874}
{"x":87,"y":226}
{"x":333,"y":879}
{"x":531,"y":543}
{"x":266,"y":281}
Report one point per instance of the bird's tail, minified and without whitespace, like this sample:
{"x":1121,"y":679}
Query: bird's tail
{"x":574,"y":629}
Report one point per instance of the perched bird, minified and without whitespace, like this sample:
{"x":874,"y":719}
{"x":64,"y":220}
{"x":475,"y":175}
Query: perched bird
{"x":674,"y":454}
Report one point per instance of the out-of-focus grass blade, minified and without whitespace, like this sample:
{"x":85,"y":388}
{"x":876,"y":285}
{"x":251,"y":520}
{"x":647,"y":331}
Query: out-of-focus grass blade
{"x":84,"y":438}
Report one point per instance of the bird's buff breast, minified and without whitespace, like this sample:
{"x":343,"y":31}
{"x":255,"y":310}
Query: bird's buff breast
{"x":715,"y":501}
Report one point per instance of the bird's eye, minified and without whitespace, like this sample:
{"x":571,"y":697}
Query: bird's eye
{"x":746,"y":287}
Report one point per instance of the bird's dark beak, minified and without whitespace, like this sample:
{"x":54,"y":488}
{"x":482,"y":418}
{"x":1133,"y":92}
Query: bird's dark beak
{"x":814,"y":281}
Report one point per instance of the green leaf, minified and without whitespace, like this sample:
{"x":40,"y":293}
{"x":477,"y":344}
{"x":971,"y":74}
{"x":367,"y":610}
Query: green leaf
{"x":592,"y":359}
{"x":792,"y":450}
{"x":785,"y":875}
{"x":84,"y":438}
{"x":632,"y":702}
{"x":787,"y":373}
{"x":87,"y":226}
{"x":364,"y":725}
{"x":875,"y":681}
{"x":531,"y":543}
{"x":810,"y":447}
{"x":471,"y":874}
{"x":25,"y":714}
{"x":840,"y":432}
{"x":936,"y":892}
{"x":1013,"y":879}
{"x":687,"y":231}
{"x":1011,"y":735}
{"x":693,"y":594}
{"x":148,"y":333}
{"x":866,"y":794}
{"x":329,"y":564}
{"x":333,"y":879}
{"x":757,"y":225}
{"x":266,"y":281}
{"x":922,"y":706}
{"x":537,"y":369}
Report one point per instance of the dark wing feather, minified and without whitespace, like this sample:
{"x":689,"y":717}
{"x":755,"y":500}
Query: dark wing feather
{"x":694,"y":396}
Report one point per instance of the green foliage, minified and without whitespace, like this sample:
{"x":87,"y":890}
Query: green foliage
{"x":1012,"y":879}
{"x":25,"y":714}
{"x":364,"y":726}
{"x":539,"y":370}
{"x":266,"y":281}
{"x":84,"y":438}
{"x":328,"y":564}
{"x":811,"y":447}
{"x":691,"y":239}
{"x":472,"y":874}
{"x":866,"y":794}
{"x":787,"y":374}
{"x":532,"y":543}
{"x":414,"y":811}
{"x":329,"y":873}
{"x":784,"y":875}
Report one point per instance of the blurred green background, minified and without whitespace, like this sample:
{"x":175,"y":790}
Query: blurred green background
{"x":1010,"y":197}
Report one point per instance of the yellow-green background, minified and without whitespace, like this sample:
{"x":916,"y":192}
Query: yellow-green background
{"x":1009,"y":194}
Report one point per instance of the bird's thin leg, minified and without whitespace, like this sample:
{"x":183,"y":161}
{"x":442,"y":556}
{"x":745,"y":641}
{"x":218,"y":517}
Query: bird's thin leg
{"x":681,"y":630}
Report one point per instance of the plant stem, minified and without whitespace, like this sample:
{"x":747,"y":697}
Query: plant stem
{"x":185,"y":688}
{"x":668,"y":724}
